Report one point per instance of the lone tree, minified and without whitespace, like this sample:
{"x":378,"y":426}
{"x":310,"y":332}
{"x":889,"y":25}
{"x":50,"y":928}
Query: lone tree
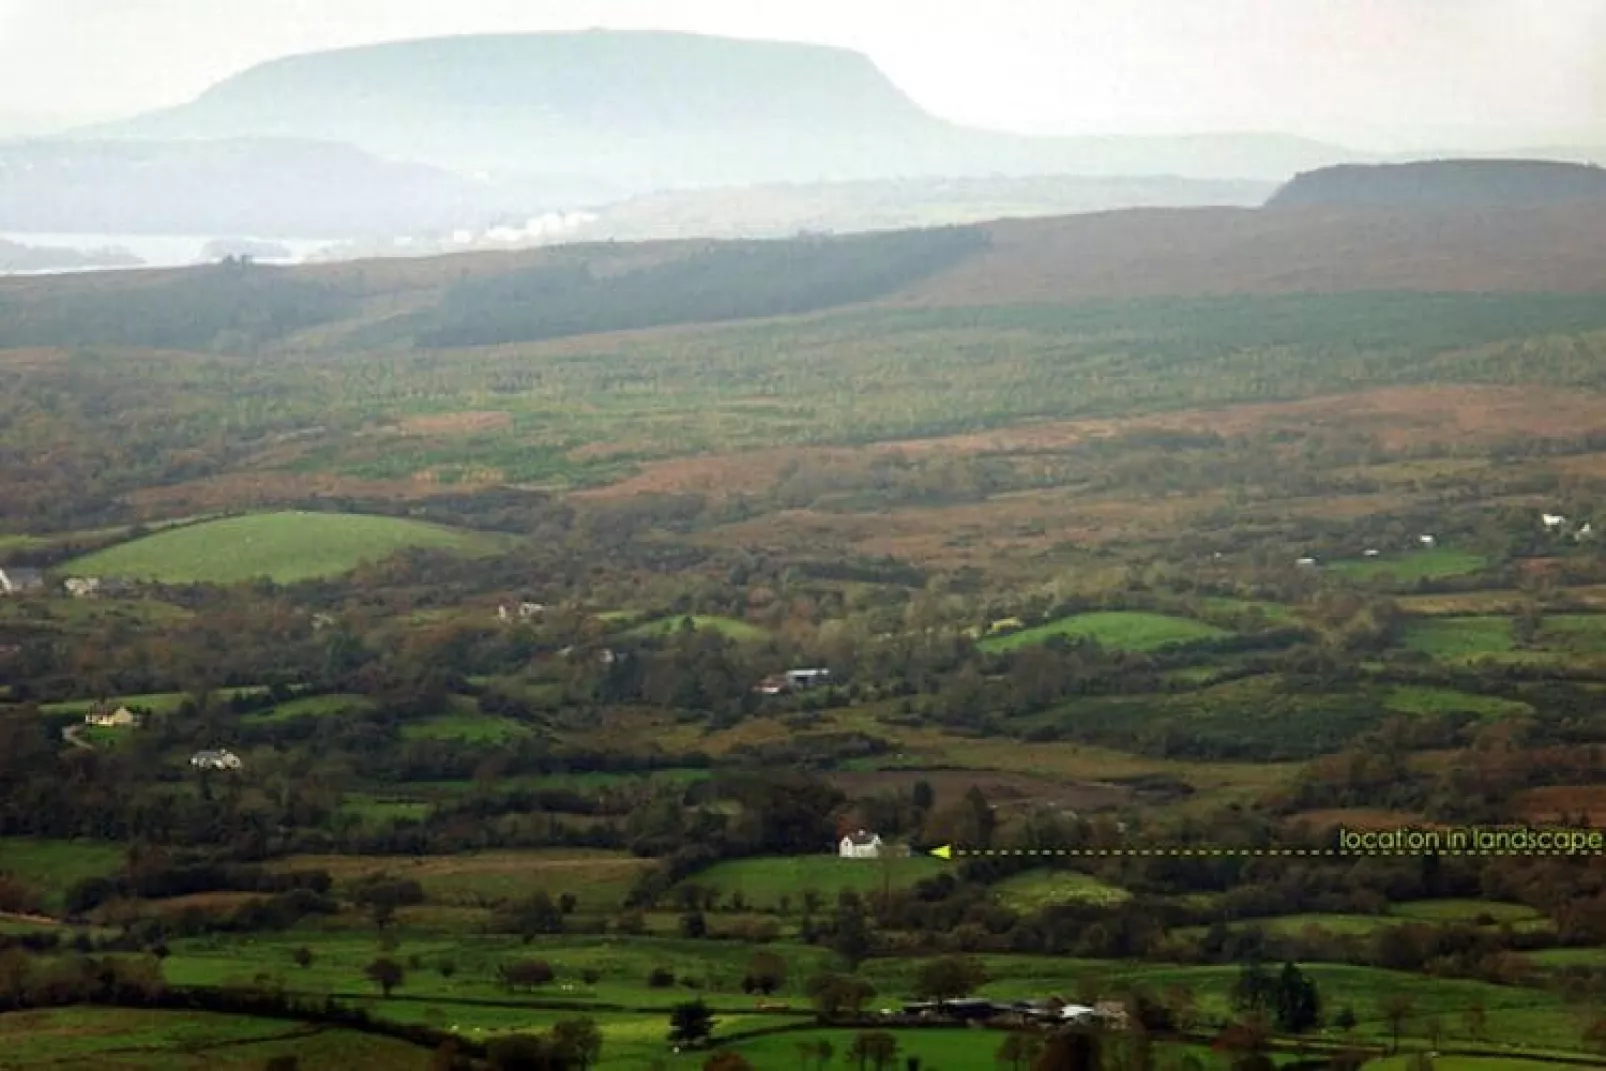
{"x":1396,"y":1008}
{"x":577,"y":1042}
{"x":1018,"y":1050}
{"x":949,"y":978}
{"x":1296,"y":1003}
{"x":386,"y":973}
{"x":690,"y":1024}
{"x":766,"y":972}
{"x":839,"y":996}
{"x":874,"y":1047}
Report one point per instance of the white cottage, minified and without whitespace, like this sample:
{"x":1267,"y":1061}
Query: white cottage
{"x":860,"y":845}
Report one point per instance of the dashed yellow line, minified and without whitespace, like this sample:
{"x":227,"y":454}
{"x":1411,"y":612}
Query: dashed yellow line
{"x":950,"y":852}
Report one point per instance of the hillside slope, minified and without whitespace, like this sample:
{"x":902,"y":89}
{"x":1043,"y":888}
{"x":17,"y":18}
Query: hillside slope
{"x":494,"y":298}
{"x":650,"y":110}
{"x":1445,"y":184}
{"x":1159,"y":252}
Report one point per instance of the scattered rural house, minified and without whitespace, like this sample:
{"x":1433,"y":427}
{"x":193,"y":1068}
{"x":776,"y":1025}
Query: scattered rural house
{"x":1585,"y":531}
{"x":770,"y":686}
{"x":15,"y":580}
{"x":1370,"y":552}
{"x":103,"y":715}
{"x":806,"y":678}
{"x":1110,"y":1014}
{"x":860,"y":845}
{"x":321,"y":621}
{"x":82,"y":586}
{"x":1552,"y":520}
{"x":218,"y":759}
{"x":1007,"y":624}
{"x":1306,"y":562}
{"x":1426,"y":540}
{"x":524,"y":611}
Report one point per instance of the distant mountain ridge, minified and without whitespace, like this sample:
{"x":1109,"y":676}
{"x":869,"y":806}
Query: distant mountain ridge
{"x":1445,"y":184}
{"x":649,"y":110}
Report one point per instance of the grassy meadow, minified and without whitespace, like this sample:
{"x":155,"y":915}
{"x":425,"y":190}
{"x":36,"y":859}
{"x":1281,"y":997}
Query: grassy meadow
{"x":284,"y":547}
{"x":1122,"y":630}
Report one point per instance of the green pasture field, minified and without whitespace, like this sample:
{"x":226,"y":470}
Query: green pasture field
{"x":717,"y":967}
{"x":311,"y":705}
{"x":1411,"y":566}
{"x":1286,"y":925}
{"x":598,"y":879}
{"x":1461,"y":638}
{"x":84,"y":1038}
{"x":1568,"y":957}
{"x":1464,"y":911}
{"x":1574,"y":634}
{"x":1414,"y":699}
{"x":284,"y":547}
{"x":155,"y":702}
{"x":463,"y":720}
{"x":382,"y":810}
{"x":1120,"y":629}
{"x":1038,"y":889}
{"x":1275,"y":612}
{"x":54,"y":866}
{"x":726,"y":626}
{"x":763,"y":881}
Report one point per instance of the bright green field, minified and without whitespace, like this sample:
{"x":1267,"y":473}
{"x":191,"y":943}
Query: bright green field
{"x":1121,"y":629}
{"x":306,"y":705}
{"x":54,"y":866}
{"x":1417,"y":565}
{"x":1284,"y":925}
{"x":764,"y":881}
{"x":1038,"y":889}
{"x":1459,"y":638}
{"x":1463,"y":910}
{"x":727,"y":626}
{"x":465,"y":725}
{"x":1412,"y":699}
{"x":285,"y":547}
{"x":83,"y":1038}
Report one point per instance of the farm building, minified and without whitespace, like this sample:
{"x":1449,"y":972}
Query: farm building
{"x":860,"y":845}
{"x":103,"y":714}
{"x":18,"y":581}
{"x":215,"y":759}
{"x":806,"y":678}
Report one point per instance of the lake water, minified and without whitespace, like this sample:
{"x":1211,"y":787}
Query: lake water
{"x":162,"y":250}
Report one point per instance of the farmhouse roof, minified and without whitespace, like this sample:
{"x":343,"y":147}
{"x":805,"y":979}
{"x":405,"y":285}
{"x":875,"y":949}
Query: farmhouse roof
{"x":16,"y":578}
{"x":861,"y":838}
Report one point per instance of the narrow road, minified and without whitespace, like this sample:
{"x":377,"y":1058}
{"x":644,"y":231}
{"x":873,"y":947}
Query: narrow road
{"x":73,"y":734}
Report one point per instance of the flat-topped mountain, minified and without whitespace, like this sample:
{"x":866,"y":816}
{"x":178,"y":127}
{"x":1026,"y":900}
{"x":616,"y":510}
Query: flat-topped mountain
{"x":1445,"y":184}
{"x":649,"y":110}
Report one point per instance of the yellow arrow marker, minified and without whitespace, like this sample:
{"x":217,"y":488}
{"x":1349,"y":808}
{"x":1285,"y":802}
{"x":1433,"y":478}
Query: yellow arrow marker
{"x":945,"y":852}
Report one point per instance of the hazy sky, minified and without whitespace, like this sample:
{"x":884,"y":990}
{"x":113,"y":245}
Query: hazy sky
{"x":1364,"y":70}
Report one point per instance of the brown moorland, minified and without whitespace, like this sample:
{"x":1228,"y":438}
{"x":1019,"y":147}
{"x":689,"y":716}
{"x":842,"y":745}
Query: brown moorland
{"x":1156,"y":252}
{"x":1399,"y":417}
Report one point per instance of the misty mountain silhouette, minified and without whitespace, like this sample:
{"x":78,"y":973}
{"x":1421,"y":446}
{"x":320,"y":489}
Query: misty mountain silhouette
{"x":644,"y":110}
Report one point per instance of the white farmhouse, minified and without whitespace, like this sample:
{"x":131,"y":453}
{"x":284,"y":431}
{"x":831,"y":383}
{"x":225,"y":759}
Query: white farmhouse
{"x":860,"y":845}
{"x":215,"y":760}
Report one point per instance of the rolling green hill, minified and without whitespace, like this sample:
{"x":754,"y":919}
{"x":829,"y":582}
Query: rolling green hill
{"x":284,"y":547}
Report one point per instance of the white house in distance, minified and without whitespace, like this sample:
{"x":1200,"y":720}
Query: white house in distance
{"x":860,"y":845}
{"x":18,"y":581}
{"x":218,"y":759}
{"x":806,"y":678}
{"x":103,"y":715}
